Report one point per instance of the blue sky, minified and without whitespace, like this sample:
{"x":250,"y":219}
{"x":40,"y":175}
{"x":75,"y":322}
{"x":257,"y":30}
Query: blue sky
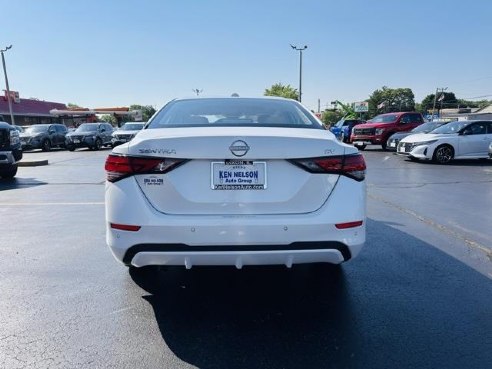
{"x":116,"y":53}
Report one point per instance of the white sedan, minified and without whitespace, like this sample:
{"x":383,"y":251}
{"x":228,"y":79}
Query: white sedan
{"x":235,"y":181}
{"x":455,"y":140}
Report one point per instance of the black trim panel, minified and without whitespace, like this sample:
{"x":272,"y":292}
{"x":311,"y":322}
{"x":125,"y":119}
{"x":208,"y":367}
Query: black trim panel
{"x":180,"y":247}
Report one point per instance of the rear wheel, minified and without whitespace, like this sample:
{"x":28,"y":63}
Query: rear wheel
{"x":443,"y":154}
{"x":46,"y":145}
{"x":97,"y":144}
{"x":361,"y":147}
{"x":8,"y":172}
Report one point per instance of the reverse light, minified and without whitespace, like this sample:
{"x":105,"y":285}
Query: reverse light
{"x":118,"y":166}
{"x":352,"y":166}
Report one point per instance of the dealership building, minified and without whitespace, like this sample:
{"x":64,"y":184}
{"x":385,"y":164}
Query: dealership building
{"x":27,"y":112}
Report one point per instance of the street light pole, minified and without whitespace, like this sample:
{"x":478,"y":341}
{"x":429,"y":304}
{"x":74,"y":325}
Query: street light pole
{"x":300,"y":49}
{"x":7,"y":85}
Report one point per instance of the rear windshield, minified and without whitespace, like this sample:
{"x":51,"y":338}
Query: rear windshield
{"x":132,"y":126}
{"x":386,"y":118}
{"x":88,"y":127}
{"x":235,"y":112}
{"x":37,"y":129}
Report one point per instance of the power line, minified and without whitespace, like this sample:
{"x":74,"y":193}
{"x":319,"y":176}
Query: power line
{"x":476,"y":97}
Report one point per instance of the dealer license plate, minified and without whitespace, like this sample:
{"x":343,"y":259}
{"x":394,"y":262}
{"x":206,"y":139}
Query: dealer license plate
{"x":76,"y":141}
{"x":239,"y":175}
{"x":392,"y":144}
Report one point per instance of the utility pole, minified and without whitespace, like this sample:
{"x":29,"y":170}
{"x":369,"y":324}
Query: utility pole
{"x":435,"y":99}
{"x":300,"y":49}
{"x":7,"y":85}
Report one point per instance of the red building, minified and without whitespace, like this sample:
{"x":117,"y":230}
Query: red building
{"x":29,"y":111}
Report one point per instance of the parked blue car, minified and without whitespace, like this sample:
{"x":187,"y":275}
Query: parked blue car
{"x":343,"y":128}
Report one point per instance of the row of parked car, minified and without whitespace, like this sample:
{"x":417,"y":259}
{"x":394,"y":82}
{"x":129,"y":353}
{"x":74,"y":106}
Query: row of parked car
{"x":408,"y":135}
{"x":90,"y":135}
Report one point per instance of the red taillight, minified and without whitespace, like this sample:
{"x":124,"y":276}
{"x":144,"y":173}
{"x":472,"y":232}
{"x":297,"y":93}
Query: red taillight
{"x":125,"y":227}
{"x":352,"y":166}
{"x":118,"y":167}
{"x":349,"y":224}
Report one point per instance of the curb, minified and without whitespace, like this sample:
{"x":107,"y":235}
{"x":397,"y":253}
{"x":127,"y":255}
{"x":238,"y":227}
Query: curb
{"x":32,"y":163}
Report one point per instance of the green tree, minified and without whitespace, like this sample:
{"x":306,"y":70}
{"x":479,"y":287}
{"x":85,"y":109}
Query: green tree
{"x":109,"y":118}
{"x":448,"y":101}
{"x":330,"y":117}
{"x":73,"y":106}
{"x":390,"y":100}
{"x":147,"y":111}
{"x":281,"y":90}
{"x":462,"y":103}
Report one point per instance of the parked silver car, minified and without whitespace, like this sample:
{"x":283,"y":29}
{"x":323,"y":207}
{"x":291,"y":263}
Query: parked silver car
{"x":126,"y":132}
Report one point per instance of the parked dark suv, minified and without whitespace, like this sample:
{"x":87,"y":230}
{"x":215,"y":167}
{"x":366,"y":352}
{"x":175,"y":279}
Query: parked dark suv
{"x":43,"y":136}
{"x":378,"y":130}
{"x":91,"y":135}
{"x":10,"y":150}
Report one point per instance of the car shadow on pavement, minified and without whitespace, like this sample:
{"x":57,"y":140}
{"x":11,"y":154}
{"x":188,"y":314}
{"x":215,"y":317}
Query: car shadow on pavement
{"x":456,"y":163}
{"x":400,"y":304}
{"x":19,"y":182}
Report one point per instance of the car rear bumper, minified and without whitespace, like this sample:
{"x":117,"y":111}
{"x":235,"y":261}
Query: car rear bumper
{"x":238,"y":256}
{"x":83,"y":142}
{"x":232,"y":239}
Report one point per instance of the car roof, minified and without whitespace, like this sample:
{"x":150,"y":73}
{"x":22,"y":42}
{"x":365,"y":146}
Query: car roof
{"x":401,"y":113}
{"x":5,"y":125}
{"x":235,"y":98}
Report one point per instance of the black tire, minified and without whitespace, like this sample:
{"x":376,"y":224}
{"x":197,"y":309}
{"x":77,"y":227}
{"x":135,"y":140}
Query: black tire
{"x":46,"y":146}
{"x":97,"y":144}
{"x":71,"y":147}
{"x":443,"y":154}
{"x":361,"y":147}
{"x":9,"y":172}
{"x":384,"y":145}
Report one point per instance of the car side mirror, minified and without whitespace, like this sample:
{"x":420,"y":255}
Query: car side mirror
{"x":103,"y":129}
{"x":51,"y":131}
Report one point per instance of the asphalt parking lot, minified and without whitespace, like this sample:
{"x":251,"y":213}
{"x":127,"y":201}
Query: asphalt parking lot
{"x":419,"y":295}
